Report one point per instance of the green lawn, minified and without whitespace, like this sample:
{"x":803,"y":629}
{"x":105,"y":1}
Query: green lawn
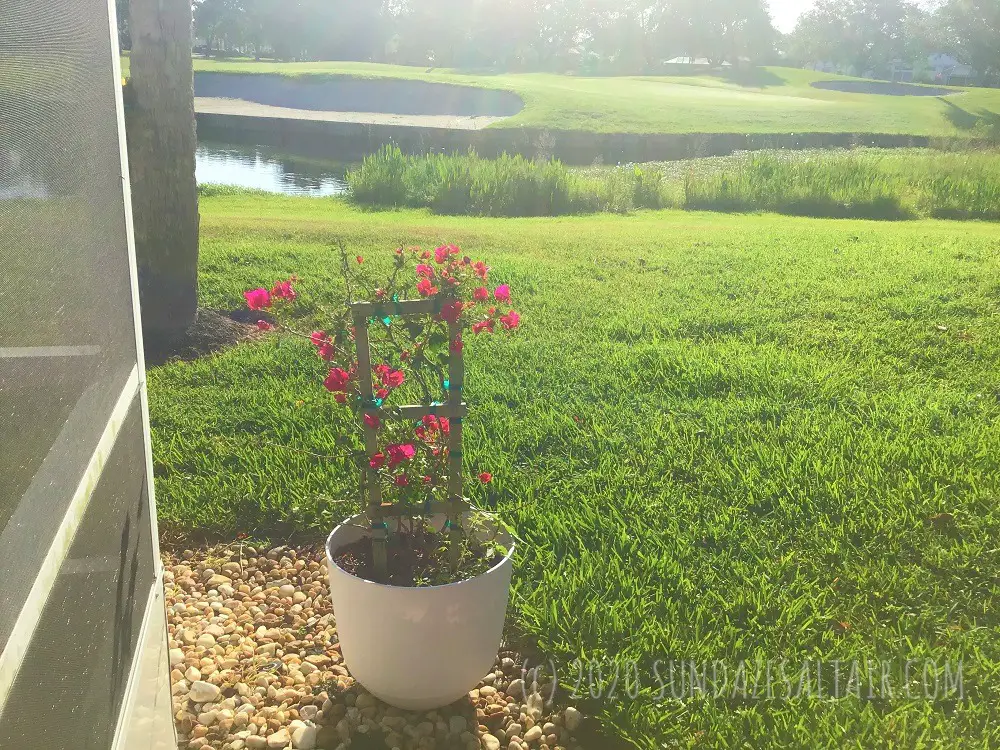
{"x":718,"y":436}
{"x":767,"y":100}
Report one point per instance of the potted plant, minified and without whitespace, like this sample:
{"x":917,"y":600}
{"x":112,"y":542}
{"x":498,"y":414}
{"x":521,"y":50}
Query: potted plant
{"x":420,"y":579}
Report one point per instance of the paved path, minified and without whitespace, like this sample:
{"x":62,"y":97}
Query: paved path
{"x":220,"y":106}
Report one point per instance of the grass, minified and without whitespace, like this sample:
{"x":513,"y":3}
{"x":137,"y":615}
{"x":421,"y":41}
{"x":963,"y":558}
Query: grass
{"x":718,"y":436}
{"x":862,"y":183}
{"x":867,"y":183}
{"x":507,"y":186}
{"x":765,"y":100}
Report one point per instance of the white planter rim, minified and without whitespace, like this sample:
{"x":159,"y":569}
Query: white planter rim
{"x":330,"y":551}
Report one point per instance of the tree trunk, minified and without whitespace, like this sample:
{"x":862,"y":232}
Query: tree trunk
{"x":161,"y":145}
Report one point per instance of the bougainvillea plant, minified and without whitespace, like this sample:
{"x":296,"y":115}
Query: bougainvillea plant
{"x":398,"y":339}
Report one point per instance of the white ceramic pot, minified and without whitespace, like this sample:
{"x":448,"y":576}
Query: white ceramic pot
{"x":417,"y":648}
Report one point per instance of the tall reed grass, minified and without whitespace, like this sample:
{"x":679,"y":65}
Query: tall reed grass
{"x":506,"y":186}
{"x":866,"y":183}
{"x":861,"y":183}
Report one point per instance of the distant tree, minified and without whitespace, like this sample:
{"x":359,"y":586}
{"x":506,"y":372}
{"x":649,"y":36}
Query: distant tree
{"x":973,"y":28}
{"x":220,"y":21}
{"x":864,"y":34}
{"x":719,"y":30}
{"x":161,"y":141}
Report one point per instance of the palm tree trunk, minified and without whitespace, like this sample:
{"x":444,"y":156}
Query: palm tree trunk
{"x":161,"y":145}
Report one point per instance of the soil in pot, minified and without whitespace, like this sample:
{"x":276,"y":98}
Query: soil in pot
{"x":419,"y":558}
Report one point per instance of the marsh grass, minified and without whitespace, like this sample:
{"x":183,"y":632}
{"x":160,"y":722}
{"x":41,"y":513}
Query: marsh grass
{"x":865,"y":183}
{"x":859,"y":183}
{"x":507,"y":186}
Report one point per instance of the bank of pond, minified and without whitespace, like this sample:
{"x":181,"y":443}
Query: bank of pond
{"x":858,"y":183}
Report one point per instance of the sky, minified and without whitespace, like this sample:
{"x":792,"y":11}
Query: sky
{"x":786,"y":12}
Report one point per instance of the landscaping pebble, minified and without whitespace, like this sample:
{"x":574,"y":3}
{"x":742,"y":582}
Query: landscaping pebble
{"x":256,"y":665}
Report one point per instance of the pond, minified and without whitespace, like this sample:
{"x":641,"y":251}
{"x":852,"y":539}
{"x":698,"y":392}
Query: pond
{"x":268,"y":168}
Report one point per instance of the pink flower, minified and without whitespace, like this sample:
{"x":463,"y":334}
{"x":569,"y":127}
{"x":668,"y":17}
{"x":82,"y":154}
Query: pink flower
{"x":382,"y":392}
{"x":480,"y":294}
{"x":502,"y":293}
{"x":359,"y":259}
{"x":318,"y":337}
{"x":426,"y":254}
{"x":481,"y":269}
{"x":401,"y":480}
{"x":425,"y":270}
{"x":426,"y":288}
{"x":263,"y":325}
{"x":511,"y":320}
{"x":340,"y":398}
{"x":394,"y":378}
{"x":326,"y":351}
{"x":427,"y":480}
{"x":483,"y":325}
{"x":485,"y":477}
{"x":284,"y":290}
{"x":456,"y":345}
{"x":337,"y":380}
{"x":373,"y":421}
{"x":441,"y":254}
{"x":377,"y":461}
{"x":451,"y":312}
{"x":258,"y":299}
{"x":399,"y":453}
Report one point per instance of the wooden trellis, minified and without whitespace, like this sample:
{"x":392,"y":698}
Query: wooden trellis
{"x":454,"y":408}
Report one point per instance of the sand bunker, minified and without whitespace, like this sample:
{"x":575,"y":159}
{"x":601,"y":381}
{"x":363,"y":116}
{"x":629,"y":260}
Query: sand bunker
{"x":354,"y":95}
{"x":884,"y":88}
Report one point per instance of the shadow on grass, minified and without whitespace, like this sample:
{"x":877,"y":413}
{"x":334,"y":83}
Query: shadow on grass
{"x":880,"y":209}
{"x":963,"y":119}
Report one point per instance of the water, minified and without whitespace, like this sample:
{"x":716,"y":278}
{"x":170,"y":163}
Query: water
{"x":268,"y":168}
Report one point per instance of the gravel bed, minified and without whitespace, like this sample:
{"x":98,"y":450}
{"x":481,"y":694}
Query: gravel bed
{"x":255,"y":663}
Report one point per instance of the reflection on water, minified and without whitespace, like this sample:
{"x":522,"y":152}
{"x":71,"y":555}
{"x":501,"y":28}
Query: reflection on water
{"x":268,"y":169}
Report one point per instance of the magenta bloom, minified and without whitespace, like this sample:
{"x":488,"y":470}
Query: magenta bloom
{"x":426,"y":288}
{"x":317,"y":337}
{"x":480,"y":294}
{"x":401,"y":480}
{"x":441,"y":254}
{"x":263,"y":325}
{"x":502,"y":293}
{"x":511,"y":320}
{"x":258,"y":299}
{"x":337,"y":380}
{"x":284,"y":290}
{"x":451,"y":312}
{"x":394,"y":378}
{"x":373,"y":421}
{"x":377,"y":460}
{"x":425,"y":270}
{"x":399,"y":453}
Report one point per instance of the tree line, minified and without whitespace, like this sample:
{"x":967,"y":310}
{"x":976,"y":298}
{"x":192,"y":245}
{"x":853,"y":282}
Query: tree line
{"x":869,"y":35}
{"x":597,"y":36}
